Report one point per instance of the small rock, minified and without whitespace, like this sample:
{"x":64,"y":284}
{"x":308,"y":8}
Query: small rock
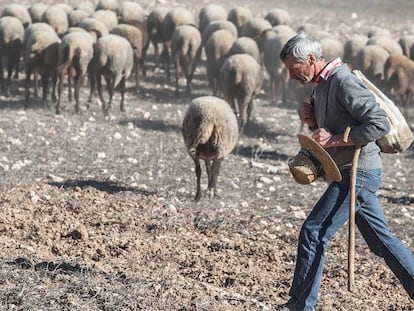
{"x":117,"y":136}
{"x":56,"y":179}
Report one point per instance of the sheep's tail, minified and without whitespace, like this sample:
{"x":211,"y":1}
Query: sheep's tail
{"x":237,"y":76}
{"x":69,"y":54}
{"x":202,"y":135}
{"x":185,"y":47}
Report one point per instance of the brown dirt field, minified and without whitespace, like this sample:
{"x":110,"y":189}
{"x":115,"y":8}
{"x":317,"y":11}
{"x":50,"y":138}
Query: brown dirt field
{"x":97,"y":213}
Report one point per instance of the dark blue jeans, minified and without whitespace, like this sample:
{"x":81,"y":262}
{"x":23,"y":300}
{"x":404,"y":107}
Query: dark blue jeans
{"x":328,"y":215}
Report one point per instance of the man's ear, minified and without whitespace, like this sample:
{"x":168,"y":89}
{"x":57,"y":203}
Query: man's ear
{"x":312,"y":59}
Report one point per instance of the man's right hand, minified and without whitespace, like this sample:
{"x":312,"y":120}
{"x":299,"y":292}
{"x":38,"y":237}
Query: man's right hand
{"x":306,"y":115}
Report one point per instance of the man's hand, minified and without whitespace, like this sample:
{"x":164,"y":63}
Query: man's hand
{"x":322,"y":136}
{"x":306,"y":115}
{"x":325,"y":138}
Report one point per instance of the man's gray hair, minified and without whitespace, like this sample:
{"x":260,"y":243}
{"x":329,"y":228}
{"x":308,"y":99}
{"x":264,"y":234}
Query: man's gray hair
{"x":300,"y":46}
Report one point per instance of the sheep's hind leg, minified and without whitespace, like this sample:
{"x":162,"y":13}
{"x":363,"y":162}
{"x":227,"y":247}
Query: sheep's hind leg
{"x":122,"y":87}
{"x":212,"y":180}
{"x":198,"y":175}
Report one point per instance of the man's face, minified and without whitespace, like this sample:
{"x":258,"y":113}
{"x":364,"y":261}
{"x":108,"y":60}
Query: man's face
{"x":300,"y":71}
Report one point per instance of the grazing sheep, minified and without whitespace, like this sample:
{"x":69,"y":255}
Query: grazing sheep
{"x":138,"y":40}
{"x":186,"y":51}
{"x":388,"y":43}
{"x":371,"y":60}
{"x":11,"y":43}
{"x":216,"y":48}
{"x":77,"y":29}
{"x":113,"y":59}
{"x":308,"y":28}
{"x":27,"y":33}
{"x":75,"y":54}
{"x":265,"y":37}
{"x":407,"y":45}
{"x":112,"y":5}
{"x":33,"y":28}
{"x":210,"y":133}
{"x":56,"y":17}
{"x":154,"y":30}
{"x":174,"y":18}
{"x":241,"y":79}
{"x":209,"y":13}
{"x":351,"y":48}
{"x":244,"y":45}
{"x":399,"y":74}
{"x":94,"y":27}
{"x":239,"y":16}
{"x":108,"y":17}
{"x":131,"y":13}
{"x":321,"y":34}
{"x":76,"y":16}
{"x":218,"y":25}
{"x":378,"y":31}
{"x":36,"y":11}
{"x":66,"y":7}
{"x":314,"y":30}
{"x":41,"y":55}
{"x":332,"y":48}
{"x":19,"y":11}
{"x":275,"y":68}
{"x":278,"y":17}
{"x":254,"y":28}
{"x":284,"y":29}
{"x":86,"y":6}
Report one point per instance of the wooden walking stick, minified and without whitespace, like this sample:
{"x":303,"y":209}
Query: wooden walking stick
{"x":352,"y":203}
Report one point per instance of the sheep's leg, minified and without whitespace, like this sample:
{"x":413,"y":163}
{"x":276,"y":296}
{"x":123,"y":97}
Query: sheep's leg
{"x":69,"y":87}
{"x":231,"y":101}
{"x":250,"y":106}
{"x":156,"y":54}
{"x":92,"y":87}
{"x":3,"y":87}
{"x":110,"y":85}
{"x":13,"y":60}
{"x":272,"y":89}
{"x":54,"y":80}
{"x":141,"y":61}
{"x":36,"y":83}
{"x":209,"y":175}
{"x":122,"y":87}
{"x":136,"y":69}
{"x":177,"y":73}
{"x":98,"y":81}
{"x":188,"y":73}
{"x":242,"y":104}
{"x":60,"y":88}
{"x":192,"y":66}
{"x":405,"y":99}
{"x":78,"y":81}
{"x":164,"y":56}
{"x":167,"y":61}
{"x":277,"y":88}
{"x":215,"y":171}
{"x":17,"y":67}
{"x":27,"y":86}
{"x":284,"y":80}
{"x":198,"y":175}
{"x":45,"y":85}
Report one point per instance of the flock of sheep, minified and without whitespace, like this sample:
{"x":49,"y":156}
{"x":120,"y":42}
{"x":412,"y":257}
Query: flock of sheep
{"x":111,"y":39}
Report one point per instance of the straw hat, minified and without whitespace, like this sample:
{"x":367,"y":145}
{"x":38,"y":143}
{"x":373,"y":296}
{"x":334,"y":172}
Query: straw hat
{"x":312,"y":162}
